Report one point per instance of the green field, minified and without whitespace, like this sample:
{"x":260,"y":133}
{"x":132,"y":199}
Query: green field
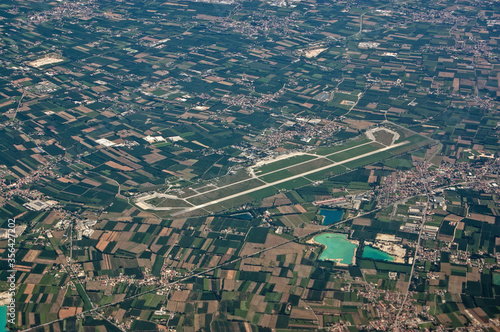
{"x":86,"y":301}
{"x":226,"y":191}
{"x":282,"y":164}
{"x":276,"y":176}
{"x":323,"y":151}
{"x":339,"y":156}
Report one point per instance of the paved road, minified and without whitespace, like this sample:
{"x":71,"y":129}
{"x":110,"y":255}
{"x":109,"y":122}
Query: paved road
{"x":424,"y":216}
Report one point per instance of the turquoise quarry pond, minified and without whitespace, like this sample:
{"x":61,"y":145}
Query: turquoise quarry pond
{"x":3,"y":319}
{"x":331,"y":216}
{"x":370,"y":252}
{"x":337,"y":247}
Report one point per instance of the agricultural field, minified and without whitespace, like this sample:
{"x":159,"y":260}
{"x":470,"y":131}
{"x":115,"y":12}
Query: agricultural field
{"x":175,"y":165}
